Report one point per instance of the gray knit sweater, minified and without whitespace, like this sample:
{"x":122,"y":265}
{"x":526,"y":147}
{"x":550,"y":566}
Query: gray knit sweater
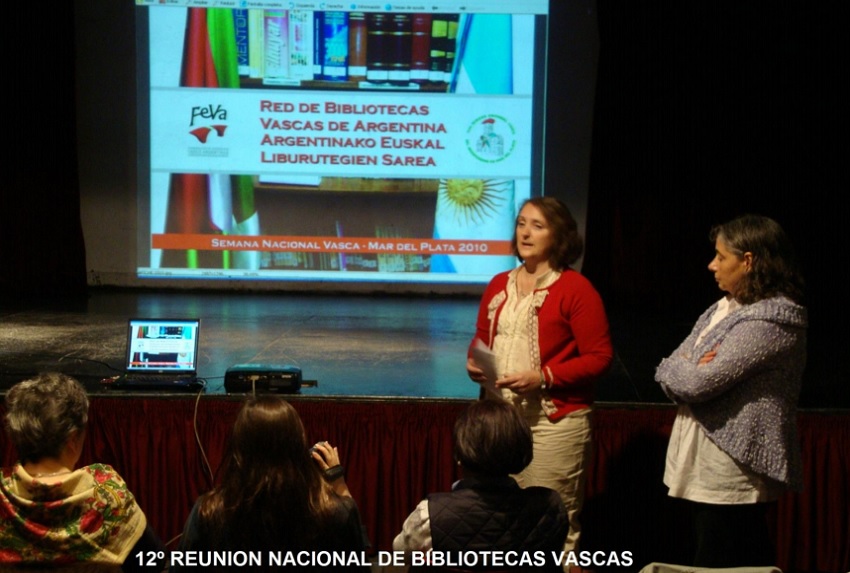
{"x":746,"y":397}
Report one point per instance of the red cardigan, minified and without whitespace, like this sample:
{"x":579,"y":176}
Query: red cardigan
{"x":573,"y":348}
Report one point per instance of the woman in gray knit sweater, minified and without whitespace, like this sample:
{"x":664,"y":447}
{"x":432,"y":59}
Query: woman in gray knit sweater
{"x":734,"y":449}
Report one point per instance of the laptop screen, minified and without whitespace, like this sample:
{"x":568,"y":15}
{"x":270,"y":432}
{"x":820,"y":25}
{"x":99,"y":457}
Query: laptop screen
{"x":162,"y":345}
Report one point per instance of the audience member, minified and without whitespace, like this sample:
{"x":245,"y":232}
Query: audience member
{"x":50,"y":513}
{"x":275,"y":493}
{"x":487,"y":511}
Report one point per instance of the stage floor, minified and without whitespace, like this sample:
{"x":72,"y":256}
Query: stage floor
{"x":353,"y":346}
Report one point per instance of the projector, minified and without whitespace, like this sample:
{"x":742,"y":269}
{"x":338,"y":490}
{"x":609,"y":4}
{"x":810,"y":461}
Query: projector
{"x":266,"y":378}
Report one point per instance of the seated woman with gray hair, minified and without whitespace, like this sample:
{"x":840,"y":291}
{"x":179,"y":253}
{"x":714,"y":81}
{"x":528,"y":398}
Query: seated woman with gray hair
{"x":50,"y":513}
{"x":486,"y":511}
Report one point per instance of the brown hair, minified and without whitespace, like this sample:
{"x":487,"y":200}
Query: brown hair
{"x":491,"y":438}
{"x":567,"y":244}
{"x":271,"y":495}
{"x":42,"y":413}
{"x":774,"y":270}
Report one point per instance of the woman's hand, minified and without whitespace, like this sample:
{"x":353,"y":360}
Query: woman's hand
{"x":475,"y":373}
{"x":327,"y":458}
{"x":520,"y":382}
{"x":325,"y":455}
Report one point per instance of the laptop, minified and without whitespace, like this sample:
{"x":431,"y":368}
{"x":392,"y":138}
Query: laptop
{"x":162,"y":354}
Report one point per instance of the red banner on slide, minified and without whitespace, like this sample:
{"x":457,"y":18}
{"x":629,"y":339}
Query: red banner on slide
{"x":330,"y":244}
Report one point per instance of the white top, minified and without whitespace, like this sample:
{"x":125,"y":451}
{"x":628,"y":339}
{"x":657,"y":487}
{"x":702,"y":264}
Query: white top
{"x":416,"y":532}
{"x":510,"y":344}
{"x":697,"y":469}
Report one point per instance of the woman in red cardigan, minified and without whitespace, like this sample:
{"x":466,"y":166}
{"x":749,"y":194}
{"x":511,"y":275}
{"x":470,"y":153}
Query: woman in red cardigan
{"x":546,"y":328}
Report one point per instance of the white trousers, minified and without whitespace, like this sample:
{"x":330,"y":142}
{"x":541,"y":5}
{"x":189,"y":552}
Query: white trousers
{"x":562,"y":451}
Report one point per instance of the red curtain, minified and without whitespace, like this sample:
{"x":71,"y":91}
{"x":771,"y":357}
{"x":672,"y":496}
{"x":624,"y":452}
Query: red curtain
{"x":397,"y":452}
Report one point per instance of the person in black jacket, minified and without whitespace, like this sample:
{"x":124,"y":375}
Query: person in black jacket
{"x":487,"y":521}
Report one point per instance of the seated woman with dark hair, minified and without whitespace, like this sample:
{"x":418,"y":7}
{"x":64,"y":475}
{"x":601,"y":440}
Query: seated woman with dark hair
{"x":51,"y":514}
{"x":276,"y":494}
{"x":487,"y":510}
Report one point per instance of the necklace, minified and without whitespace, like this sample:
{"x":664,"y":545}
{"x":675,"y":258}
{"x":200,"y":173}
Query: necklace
{"x":525,"y":289}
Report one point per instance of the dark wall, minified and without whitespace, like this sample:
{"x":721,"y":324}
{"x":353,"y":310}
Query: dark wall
{"x":41,"y":240}
{"x":705,"y":111}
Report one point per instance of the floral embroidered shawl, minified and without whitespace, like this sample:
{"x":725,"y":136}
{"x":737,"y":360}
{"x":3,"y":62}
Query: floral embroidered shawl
{"x":89,"y":517}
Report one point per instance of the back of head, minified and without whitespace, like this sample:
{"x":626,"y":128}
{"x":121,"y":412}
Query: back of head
{"x":268,"y":454}
{"x":43,"y":412}
{"x":774,"y":269}
{"x":270,"y":492}
{"x":268,"y":432}
{"x":491,"y":438}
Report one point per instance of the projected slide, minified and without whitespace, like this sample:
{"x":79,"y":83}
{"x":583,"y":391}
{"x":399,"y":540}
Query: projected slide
{"x":338,"y":143}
